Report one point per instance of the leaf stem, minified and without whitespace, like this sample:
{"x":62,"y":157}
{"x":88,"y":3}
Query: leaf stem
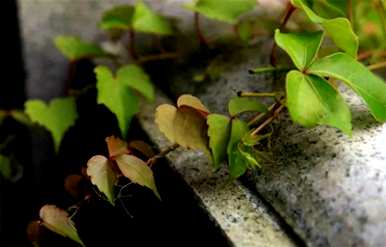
{"x":255,"y":94}
{"x":287,"y":14}
{"x":131,"y":46}
{"x":155,"y":57}
{"x":199,"y":33}
{"x":269,"y":120}
{"x":161,"y":154}
{"x":268,"y":69}
{"x":376,"y":66}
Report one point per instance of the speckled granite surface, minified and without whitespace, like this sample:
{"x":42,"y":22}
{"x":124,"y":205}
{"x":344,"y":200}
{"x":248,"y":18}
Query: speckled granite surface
{"x":330,"y":188}
{"x":244,"y":218}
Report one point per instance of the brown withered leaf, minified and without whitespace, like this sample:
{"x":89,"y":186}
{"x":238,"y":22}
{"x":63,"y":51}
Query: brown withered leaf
{"x":116,"y":146}
{"x":72,"y":185}
{"x":142,"y":147}
{"x":33,"y":232}
{"x":193,"y":102}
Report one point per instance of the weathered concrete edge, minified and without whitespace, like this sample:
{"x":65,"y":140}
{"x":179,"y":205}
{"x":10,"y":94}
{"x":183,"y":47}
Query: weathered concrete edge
{"x":243,"y":217}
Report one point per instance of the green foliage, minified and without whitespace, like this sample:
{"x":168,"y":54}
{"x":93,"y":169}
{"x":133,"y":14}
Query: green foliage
{"x":218,"y":132}
{"x":73,"y":48}
{"x":223,"y":10}
{"x":324,"y":104}
{"x":301,"y":47}
{"x":339,"y":29}
{"x":119,"y":17}
{"x":239,"y":105}
{"x":5,"y":167}
{"x":236,"y":160}
{"x":116,"y":92}
{"x":370,"y":87}
{"x":147,"y":21}
{"x":57,"y":116}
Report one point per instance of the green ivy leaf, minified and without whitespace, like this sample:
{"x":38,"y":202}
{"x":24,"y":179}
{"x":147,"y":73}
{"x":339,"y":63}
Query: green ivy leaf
{"x":57,"y":116}
{"x":330,"y":8}
{"x":5,"y":167}
{"x":339,"y":29}
{"x":236,"y":161}
{"x":218,"y":132}
{"x":73,"y":48}
{"x":147,"y":21}
{"x":370,"y":87}
{"x":58,"y":221}
{"x":324,"y":105}
{"x":137,"y":79}
{"x":102,"y":176}
{"x":239,"y":105}
{"x":118,"y":18}
{"x":116,"y":94}
{"x":301,"y":47}
{"x":223,"y":10}
{"x":137,"y":171}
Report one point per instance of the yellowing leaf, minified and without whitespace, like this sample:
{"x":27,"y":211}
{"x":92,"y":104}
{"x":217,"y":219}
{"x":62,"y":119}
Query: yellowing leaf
{"x":137,"y":171}
{"x":116,"y":146}
{"x":194,"y":102}
{"x":164,"y":118}
{"x":58,"y":221}
{"x":102,"y":176}
{"x":218,"y":132}
{"x":57,"y":116}
{"x":190,"y":129}
{"x":185,"y":125}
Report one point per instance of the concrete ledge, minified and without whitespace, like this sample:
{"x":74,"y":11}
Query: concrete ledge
{"x":244,"y":218}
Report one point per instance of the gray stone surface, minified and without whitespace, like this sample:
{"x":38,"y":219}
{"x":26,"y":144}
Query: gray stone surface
{"x":42,"y":20}
{"x":329,"y":187}
{"x":245,"y":219}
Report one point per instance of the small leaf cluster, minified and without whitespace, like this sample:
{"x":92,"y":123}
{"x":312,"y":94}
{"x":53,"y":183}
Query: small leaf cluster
{"x":104,"y":173}
{"x":308,"y":83}
{"x":221,"y":137}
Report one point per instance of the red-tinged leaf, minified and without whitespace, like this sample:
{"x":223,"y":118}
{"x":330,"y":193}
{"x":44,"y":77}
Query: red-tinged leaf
{"x":116,"y":146}
{"x":58,"y":221}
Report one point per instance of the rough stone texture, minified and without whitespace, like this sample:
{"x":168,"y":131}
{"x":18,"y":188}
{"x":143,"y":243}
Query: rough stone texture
{"x":42,"y":20}
{"x":243,"y":217}
{"x":330,"y":188}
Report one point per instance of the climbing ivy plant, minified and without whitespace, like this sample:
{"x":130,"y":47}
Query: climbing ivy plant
{"x":312,"y":95}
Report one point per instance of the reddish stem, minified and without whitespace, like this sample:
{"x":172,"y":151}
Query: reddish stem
{"x":200,"y":35}
{"x":287,"y":14}
{"x":132,"y":50}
